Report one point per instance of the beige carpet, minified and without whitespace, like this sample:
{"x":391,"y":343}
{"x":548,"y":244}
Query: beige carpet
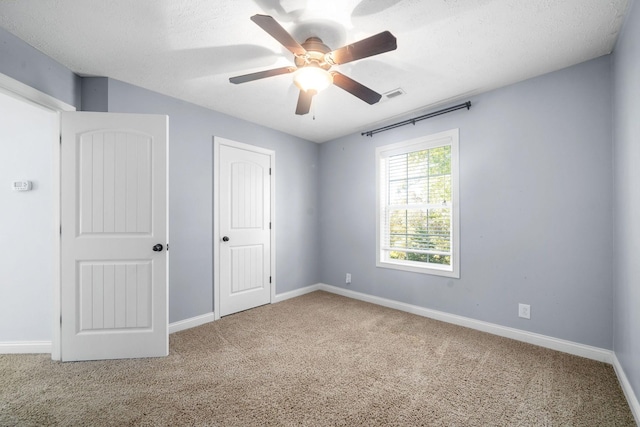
{"x":319,"y":359}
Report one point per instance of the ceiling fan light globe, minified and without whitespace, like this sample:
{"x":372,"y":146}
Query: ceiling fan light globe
{"x":312,"y":78}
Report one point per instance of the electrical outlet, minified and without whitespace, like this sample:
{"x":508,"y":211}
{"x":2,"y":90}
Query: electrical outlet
{"x":524,"y":311}
{"x":347,"y":280}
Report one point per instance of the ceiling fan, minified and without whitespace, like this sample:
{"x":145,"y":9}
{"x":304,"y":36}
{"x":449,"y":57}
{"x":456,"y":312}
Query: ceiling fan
{"x":313,"y":61}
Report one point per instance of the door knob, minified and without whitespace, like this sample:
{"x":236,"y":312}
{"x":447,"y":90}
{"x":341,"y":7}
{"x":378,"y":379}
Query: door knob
{"x":157,"y":247}
{"x":225,"y":239}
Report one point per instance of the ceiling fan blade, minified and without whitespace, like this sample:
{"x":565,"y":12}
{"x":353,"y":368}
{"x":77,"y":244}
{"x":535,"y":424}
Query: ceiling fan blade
{"x":304,"y":101}
{"x":276,"y":31}
{"x":357,"y":89}
{"x":262,"y":74}
{"x":374,"y":45}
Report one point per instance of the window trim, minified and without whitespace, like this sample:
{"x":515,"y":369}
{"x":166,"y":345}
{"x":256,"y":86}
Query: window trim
{"x":450,"y":137}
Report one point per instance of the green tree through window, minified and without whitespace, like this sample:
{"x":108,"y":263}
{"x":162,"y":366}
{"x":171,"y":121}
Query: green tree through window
{"x":419,"y":192}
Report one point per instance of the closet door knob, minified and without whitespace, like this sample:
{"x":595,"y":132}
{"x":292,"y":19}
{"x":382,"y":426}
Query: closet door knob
{"x":225,"y":239}
{"x":157,"y":248}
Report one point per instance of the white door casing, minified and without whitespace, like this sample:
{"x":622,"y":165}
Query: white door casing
{"x":243,"y":250}
{"x":114,"y":211}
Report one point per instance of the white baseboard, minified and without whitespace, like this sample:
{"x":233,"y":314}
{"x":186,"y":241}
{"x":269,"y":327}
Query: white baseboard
{"x":632,"y":399}
{"x":25,"y":347}
{"x":570,"y":347}
{"x":209,"y":317}
{"x":190,"y":323}
{"x":296,"y":293}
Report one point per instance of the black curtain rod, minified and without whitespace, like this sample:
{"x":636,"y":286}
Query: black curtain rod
{"x":413,"y":121}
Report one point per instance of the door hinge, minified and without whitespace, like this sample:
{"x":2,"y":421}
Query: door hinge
{"x":61,"y":320}
{"x":61,"y":229}
{"x":269,"y":171}
{"x":269,"y":279}
{"x":269,"y":226}
{"x":60,"y":139}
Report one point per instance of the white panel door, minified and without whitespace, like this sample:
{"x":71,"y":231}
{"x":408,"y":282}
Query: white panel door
{"x":114,"y":233}
{"x":244,"y":229}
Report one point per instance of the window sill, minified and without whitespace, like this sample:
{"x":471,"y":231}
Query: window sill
{"x":411,"y":267}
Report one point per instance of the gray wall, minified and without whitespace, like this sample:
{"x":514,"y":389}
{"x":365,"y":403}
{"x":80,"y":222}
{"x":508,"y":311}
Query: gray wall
{"x":626,"y":130}
{"x":191,"y":131}
{"x":95,"y":94}
{"x":24,"y":63}
{"x":535,"y":189}
{"x":536,"y":215}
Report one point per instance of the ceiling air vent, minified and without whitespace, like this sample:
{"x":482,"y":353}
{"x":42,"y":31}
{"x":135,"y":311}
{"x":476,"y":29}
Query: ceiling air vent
{"x":394,"y":93}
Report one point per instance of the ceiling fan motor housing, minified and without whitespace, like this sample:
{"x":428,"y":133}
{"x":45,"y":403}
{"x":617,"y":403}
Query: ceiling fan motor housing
{"x":315,"y":55}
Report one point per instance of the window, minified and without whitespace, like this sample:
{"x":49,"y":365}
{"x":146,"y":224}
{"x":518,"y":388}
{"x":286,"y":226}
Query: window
{"x":417,"y":206}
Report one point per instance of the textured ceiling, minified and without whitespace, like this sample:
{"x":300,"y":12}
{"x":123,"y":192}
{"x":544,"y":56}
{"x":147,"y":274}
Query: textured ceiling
{"x":188,"y":49}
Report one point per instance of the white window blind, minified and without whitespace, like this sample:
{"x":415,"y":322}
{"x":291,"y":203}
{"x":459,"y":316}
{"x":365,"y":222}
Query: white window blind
{"x":417,"y":205}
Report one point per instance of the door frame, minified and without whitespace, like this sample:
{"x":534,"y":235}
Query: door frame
{"x":217,"y":142}
{"x":26,"y":93}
